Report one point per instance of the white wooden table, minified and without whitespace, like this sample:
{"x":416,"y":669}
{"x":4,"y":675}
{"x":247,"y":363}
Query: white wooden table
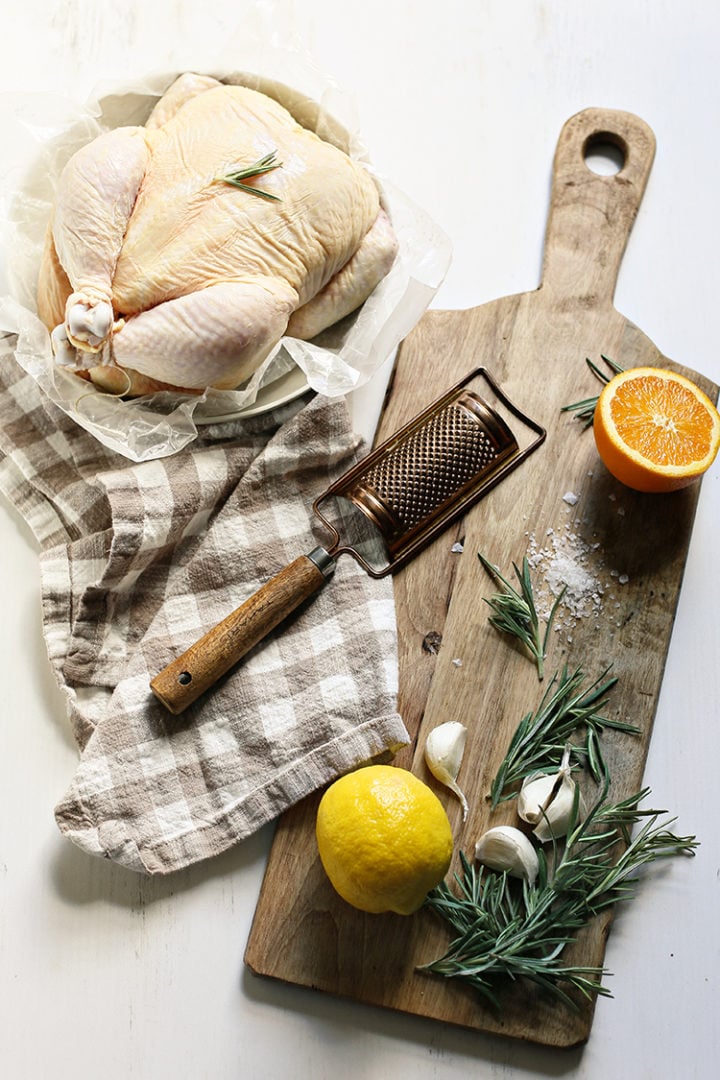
{"x":105,"y":974}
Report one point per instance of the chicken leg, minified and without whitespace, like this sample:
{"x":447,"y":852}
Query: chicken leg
{"x":96,"y":195}
{"x":215,"y":337}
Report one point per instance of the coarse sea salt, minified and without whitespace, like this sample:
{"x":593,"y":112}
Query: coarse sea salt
{"x":567,"y":561}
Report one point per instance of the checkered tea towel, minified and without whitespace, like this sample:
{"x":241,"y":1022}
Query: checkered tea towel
{"x":137,"y":561}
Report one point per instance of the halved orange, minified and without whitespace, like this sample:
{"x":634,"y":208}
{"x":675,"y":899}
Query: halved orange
{"x":655,"y":430}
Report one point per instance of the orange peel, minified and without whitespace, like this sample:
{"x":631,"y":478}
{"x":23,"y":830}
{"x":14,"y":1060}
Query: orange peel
{"x":655,"y":430}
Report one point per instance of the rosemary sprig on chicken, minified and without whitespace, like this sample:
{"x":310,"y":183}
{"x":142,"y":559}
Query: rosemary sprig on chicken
{"x":237,"y":177}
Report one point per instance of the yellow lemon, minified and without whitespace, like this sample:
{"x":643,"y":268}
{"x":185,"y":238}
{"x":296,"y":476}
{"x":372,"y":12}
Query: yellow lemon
{"x":384,"y":839}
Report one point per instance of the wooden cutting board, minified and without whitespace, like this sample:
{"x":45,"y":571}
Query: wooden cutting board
{"x":560,"y":504}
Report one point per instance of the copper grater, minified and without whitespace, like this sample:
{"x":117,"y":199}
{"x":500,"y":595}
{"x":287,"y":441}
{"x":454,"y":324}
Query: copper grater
{"x":404,"y":494}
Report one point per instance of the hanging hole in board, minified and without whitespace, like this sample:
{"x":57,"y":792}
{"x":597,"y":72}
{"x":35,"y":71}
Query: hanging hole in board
{"x":605,"y":154}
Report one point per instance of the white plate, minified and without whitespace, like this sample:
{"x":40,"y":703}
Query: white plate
{"x":292,"y":384}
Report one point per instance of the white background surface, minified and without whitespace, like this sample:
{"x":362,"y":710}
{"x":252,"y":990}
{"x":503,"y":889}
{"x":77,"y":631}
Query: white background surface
{"x":105,"y":974}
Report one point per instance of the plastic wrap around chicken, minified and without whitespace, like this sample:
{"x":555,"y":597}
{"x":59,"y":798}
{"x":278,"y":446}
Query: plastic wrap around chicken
{"x":211,"y":252}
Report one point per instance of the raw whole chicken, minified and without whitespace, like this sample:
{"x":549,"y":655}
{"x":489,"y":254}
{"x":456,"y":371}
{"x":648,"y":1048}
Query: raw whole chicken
{"x":158,"y":273}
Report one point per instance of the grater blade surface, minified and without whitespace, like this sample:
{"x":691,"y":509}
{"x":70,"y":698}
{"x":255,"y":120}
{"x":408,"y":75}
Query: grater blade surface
{"x":423,"y":472}
{"x":415,"y":483}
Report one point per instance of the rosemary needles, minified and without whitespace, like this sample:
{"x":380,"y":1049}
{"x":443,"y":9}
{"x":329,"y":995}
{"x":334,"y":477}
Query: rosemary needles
{"x":585,"y":410}
{"x":567,"y":706}
{"x":238,"y":177}
{"x":505,"y":929}
{"x":514,"y":611}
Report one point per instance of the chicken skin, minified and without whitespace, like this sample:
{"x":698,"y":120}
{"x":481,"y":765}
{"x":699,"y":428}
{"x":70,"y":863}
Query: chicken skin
{"x":158,"y":273}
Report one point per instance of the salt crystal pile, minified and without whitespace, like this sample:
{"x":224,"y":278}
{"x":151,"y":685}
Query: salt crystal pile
{"x":567,"y":561}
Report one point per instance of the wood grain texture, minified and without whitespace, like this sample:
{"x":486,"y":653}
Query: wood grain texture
{"x":634,"y":545}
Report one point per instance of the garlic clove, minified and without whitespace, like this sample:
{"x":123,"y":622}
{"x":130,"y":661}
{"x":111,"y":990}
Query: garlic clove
{"x":444,"y":749}
{"x":546,"y":801}
{"x":506,"y":848}
{"x":535,"y":795}
{"x":556,"y":820}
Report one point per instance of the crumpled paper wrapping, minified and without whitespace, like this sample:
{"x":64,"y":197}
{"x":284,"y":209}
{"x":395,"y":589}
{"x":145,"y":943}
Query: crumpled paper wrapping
{"x":339,"y":361}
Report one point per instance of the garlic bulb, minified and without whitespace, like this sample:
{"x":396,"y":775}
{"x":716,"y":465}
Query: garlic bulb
{"x":444,"y":750}
{"x":546,"y":801}
{"x":506,"y":848}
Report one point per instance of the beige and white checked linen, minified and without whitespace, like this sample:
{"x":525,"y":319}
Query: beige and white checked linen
{"x":136,"y":561}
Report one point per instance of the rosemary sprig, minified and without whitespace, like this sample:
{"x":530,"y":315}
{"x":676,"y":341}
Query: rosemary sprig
{"x":237,"y":176}
{"x":507,"y":930}
{"x":586,"y":409}
{"x":539,"y":740}
{"x":514,"y":612}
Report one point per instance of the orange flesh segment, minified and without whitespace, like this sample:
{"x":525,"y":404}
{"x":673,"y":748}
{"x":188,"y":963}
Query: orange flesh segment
{"x":662,"y":420}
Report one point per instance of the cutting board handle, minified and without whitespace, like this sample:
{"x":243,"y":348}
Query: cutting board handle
{"x":591,"y":215}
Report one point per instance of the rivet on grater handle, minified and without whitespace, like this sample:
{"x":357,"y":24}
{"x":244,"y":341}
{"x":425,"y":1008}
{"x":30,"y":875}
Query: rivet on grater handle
{"x":185,"y":679}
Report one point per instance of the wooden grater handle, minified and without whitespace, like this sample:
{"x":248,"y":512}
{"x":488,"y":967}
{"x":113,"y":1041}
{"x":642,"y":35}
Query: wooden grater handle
{"x":200,"y":666}
{"x":591,"y":215}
